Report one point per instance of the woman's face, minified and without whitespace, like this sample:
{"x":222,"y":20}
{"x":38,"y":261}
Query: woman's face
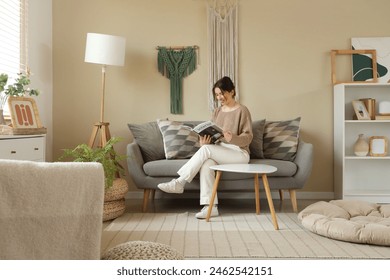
{"x":224,"y":98}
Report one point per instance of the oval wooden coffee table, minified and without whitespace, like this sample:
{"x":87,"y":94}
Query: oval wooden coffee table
{"x":256,"y":169}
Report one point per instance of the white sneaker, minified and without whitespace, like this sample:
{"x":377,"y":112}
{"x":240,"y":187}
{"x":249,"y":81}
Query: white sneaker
{"x":203,"y":213}
{"x":171,"y":187}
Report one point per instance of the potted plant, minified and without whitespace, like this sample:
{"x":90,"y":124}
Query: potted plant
{"x":18,"y":89}
{"x":115,"y":187}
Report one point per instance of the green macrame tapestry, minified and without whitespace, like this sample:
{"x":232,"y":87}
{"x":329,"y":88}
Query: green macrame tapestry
{"x":175,"y":65}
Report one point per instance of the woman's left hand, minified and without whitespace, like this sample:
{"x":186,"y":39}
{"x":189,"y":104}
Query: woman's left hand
{"x":228,"y":135}
{"x":204,"y":140}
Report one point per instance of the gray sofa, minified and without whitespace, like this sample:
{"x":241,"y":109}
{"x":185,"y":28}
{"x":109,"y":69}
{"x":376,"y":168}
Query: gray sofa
{"x":148,"y":166}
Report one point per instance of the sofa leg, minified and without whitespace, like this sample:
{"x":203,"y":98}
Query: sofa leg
{"x":146,"y":200}
{"x":281,"y":195}
{"x":293,"y":197}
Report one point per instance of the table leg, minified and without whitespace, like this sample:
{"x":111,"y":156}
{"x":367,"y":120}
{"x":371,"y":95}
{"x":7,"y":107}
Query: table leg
{"x":214,"y":193}
{"x":270,"y":202}
{"x":257,"y":195}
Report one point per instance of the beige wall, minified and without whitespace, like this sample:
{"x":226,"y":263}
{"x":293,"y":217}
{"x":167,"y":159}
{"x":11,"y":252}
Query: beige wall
{"x":284,"y":64}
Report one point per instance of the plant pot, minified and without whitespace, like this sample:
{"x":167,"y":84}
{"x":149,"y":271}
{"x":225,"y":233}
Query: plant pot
{"x":114,"y":200}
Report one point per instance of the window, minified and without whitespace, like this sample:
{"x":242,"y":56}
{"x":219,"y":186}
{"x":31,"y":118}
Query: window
{"x":13,"y":43}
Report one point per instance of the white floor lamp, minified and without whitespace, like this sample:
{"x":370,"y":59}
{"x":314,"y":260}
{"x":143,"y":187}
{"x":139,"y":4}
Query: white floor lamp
{"x":105,"y":50}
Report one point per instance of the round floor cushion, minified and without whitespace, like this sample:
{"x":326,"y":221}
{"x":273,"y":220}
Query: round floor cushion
{"x":142,"y":250}
{"x":347,"y":220}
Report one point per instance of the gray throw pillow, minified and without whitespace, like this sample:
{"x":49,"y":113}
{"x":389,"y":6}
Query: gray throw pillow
{"x":179,"y":140}
{"x":256,"y":146}
{"x":149,"y":139}
{"x":281,"y":139}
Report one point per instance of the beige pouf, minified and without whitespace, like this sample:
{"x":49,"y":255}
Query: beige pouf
{"x":114,"y":201}
{"x":142,"y":250}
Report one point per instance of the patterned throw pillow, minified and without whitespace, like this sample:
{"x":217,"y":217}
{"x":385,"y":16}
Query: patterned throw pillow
{"x":179,"y":139}
{"x":281,"y":139}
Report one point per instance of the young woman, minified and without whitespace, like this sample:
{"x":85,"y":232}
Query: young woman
{"x":236,"y":122}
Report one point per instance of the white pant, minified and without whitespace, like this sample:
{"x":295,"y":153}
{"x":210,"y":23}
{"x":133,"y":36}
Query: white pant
{"x":207,"y":156}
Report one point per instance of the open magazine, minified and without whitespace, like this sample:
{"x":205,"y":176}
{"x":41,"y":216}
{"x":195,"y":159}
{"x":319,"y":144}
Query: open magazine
{"x":209,"y":128}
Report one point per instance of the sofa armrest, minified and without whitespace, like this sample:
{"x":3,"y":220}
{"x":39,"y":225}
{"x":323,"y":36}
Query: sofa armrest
{"x":135,"y":163}
{"x":304,"y":161}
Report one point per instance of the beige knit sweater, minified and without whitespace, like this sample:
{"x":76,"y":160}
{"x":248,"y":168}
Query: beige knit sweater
{"x":238,"y":122}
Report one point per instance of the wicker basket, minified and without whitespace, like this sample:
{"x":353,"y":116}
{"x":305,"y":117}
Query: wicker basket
{"x":113,"y":209}
{"x":117,"y":191}
{"x":114,"y":201}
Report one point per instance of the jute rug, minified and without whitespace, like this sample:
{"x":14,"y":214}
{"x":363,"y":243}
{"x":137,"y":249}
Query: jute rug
{"x":234,"y":236}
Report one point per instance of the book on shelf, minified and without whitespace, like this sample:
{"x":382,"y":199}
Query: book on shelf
{"x":209,"y":128}
{"x":382,"y":117}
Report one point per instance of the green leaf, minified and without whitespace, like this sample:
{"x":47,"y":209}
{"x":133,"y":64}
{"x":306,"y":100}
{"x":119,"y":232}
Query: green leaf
{"x":105,"y":155}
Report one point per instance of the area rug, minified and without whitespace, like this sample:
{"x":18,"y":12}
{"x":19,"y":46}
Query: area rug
{"x":234,"y":236}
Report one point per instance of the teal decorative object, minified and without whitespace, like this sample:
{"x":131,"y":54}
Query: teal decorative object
{"x":175,"y":64}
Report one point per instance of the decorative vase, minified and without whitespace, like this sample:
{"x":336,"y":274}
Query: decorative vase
{"x":361,"y":147}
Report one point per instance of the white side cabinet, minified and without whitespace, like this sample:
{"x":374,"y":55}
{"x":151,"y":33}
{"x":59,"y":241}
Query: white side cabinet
{"x":360,"y":178}
{"x":23,"y":147}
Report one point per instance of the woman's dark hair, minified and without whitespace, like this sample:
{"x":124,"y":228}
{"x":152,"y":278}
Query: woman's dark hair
{"x":225,"y":84}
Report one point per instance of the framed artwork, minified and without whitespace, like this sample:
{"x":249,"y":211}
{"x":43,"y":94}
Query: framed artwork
{"x":378,"y":146}
{"x":360,"y":110}
{"x":362,"y":64}
{"x":372,"y":67}
{"x":24,"y":112}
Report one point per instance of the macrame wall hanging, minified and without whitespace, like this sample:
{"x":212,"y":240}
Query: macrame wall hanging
{"x":175,"y":63}
{"x":222,"y":22}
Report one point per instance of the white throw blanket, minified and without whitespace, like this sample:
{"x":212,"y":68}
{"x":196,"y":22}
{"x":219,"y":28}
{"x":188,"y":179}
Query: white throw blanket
{"x":50,"y":210}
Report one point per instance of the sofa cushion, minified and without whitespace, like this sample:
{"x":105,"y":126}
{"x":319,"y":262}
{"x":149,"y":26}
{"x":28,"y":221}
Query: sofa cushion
{"x":281,"y":139}
{"x":169,"y":168}
{"x":256,"y":146}
{"x":149,"y":139}
{"x":180,"y":141}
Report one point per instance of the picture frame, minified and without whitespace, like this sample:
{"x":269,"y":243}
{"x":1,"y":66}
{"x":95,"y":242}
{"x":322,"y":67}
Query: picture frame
{"x":378,"y":146}
{"x":24,"y":113}
{"x":360,"y":110}
{"x":372,"y":52}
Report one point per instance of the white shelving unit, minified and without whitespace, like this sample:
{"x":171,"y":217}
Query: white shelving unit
{"x":360,"y":178}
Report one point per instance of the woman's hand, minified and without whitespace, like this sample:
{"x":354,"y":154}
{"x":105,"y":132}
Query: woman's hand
{"x":204,"y":140}
{"x":228,"y":136}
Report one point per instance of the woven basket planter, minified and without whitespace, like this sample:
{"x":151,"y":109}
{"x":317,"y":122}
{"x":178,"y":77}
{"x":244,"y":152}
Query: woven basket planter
{"x":117,"y":191}
{"x":113,"y":209}
{"x":114,"y":200}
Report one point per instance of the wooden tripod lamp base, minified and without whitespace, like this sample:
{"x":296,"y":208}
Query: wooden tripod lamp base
{"x":100,"y":132}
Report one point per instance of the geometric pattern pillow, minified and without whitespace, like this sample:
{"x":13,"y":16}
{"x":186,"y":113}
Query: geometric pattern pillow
{"x":179,"y":140}
{"x":281,"y":139}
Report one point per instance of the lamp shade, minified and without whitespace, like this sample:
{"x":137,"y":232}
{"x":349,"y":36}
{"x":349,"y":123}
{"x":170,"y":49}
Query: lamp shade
{"x":105,"y":49}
